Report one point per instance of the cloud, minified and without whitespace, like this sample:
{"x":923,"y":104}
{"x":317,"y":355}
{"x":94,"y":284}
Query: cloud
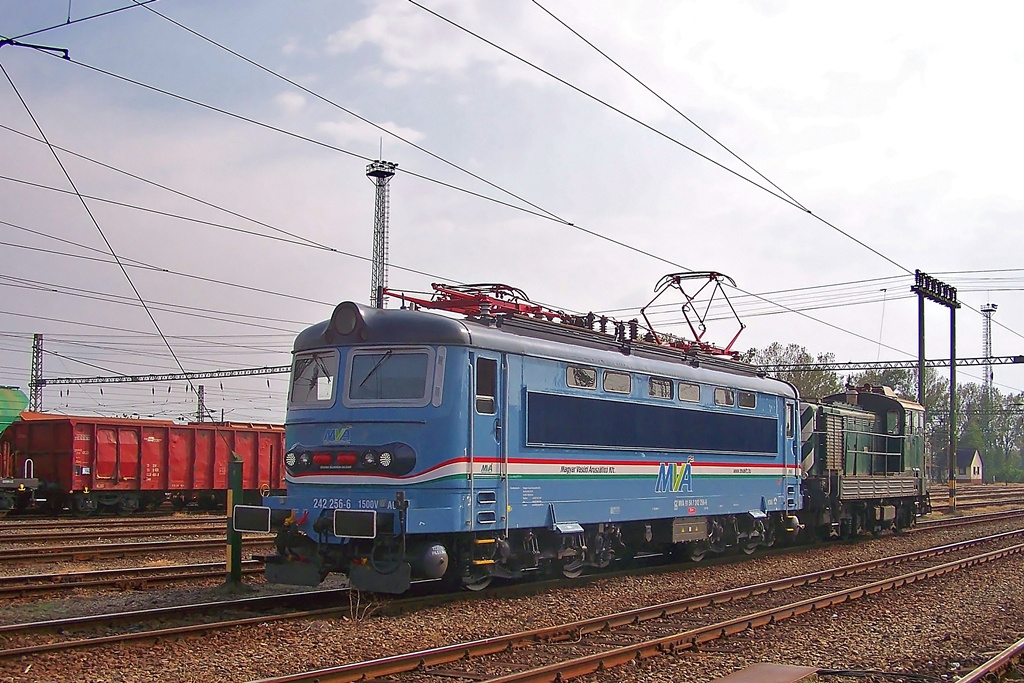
{"x":290,"y":102}
{"x":344,"y":132}
{"x":412,"y":42}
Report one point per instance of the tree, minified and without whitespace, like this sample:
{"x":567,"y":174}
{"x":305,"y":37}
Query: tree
{"x":810,"y":383}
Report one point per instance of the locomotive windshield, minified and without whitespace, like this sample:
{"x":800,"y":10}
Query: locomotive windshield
{"x":313,"y":377}
{"x":390,"y":375}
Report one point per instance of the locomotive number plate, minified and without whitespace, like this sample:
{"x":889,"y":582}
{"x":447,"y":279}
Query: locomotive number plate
{"x":333,"y":503}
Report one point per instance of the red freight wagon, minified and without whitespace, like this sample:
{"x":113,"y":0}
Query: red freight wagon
{"x":90,"y":463}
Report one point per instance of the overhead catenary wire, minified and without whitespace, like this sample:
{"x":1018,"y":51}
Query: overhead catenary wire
{"x":85,"y":206}
{"x":778,"y":195}
{"x":812,"y":318}
{"x":546,"y":214}
{"x":512,"y":206}
{"x":79,"y":20}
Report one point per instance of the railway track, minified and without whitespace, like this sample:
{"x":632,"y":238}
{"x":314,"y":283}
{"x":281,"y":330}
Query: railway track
{"x":149,"y":625}
{"x":567,"y":651}
{"x":134,"y":578}
{"x":941,"y":502}
{"x":1004,"y":666}
{"x":25,"y":524}
{"x":943,"y":523}
{"x":201,"y":529}
{"x":146,"y":577}
{"x":81,"y":553}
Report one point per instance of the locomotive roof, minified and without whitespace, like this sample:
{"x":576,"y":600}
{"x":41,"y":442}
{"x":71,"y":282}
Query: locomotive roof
{"x":873,"y":398}
{"x":518,"y":334}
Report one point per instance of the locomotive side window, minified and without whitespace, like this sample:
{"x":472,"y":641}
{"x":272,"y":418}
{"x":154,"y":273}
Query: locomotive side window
{"x":747,"y":399}
{"x":581,"y":378}
{"x":313,"y":378}
{"x":724,"y":397}
{"x":617,"y":382}
{"x":486,"y":385}
{"x":689,"y":392}
{"x":660,"y":388}
{"x":389,"y":376}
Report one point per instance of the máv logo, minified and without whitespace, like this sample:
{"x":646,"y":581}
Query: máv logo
{"x":338,"y":435}
{"x":675,"y":477}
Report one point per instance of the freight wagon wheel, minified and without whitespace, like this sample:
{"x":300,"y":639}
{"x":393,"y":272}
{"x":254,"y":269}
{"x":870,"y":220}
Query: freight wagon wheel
{"x":748,"y":546}
{"x":83,"y":506}
{"x":82,"y":512}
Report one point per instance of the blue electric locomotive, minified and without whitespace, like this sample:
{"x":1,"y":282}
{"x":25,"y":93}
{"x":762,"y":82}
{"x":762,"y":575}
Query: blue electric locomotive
{"x":423,"y":446}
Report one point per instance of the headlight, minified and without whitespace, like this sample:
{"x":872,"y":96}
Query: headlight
{"x":385,"y":459}
{"x":289,"y":459}
{"x":369,"y":458}
{"x":305,"y":458}
{"x":345,"y":318}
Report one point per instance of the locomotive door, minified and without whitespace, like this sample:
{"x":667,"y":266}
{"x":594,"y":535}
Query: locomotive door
{"x":790,"y":457}
{"x":488,"y":459}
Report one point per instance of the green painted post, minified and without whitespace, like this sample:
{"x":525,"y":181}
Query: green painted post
{"x":234,"y":549}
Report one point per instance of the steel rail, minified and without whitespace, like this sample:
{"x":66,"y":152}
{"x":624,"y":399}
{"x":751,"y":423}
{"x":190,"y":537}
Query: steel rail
{"x":23,"y":523}
{"x":397,"y":664}
{"x":138,"y":577}
{"x":204,"y":529}
{"x":981,"y":518}
{"x":57,"y":553}
{"x":1009,"y":658}
{"x":162,"y":612}
{"x":979,"y":502}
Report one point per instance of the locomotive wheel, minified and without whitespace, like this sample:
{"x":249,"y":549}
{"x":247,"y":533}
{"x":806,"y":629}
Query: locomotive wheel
{"x":572,"y":569}
{"x":477,"y":582}
{"x":695,"y":552}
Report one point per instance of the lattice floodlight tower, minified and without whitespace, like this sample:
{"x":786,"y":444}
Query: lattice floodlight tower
{"x":986,"y":346}
{"x":380,"y":173}
{"x":35,"y":401}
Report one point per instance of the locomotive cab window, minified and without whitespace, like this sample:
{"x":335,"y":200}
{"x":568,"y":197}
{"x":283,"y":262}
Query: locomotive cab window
{"x":397,"y":377}
{"x":747,"y":399}
{"x":486,"y":385}
{"x":689,"y":392}
{"x":617,"y":382}
{"x":789,"y":420}
{"x":724,"y":397}
{"x":313,"y":378}
{"x":660,"y":388}
{"x":581,"y":378}
{"x":892,"y":422}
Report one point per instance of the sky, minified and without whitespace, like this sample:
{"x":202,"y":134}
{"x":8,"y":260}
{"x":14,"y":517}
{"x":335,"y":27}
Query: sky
{"x":815,"y":153}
